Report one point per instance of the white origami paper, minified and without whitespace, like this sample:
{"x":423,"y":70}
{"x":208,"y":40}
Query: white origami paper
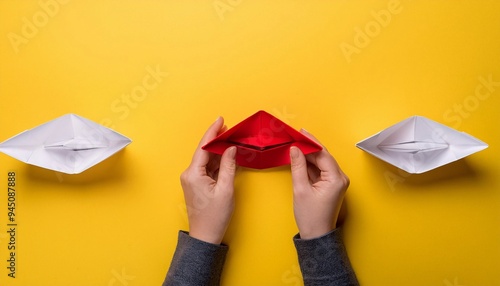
{"x":70,"y":144}
{"x":418,"y":144}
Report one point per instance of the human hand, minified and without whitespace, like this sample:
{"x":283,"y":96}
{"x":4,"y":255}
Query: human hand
{"x":209,"y":189}
{"x":319,"y":186}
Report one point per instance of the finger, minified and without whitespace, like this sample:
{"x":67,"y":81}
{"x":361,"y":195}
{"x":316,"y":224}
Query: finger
{"x":227,"y":169}
{"x":313,"y":172}
{"x":323,"y":160}
{"x":298,"y":165}
{"x":213,"y":165}
{"x":201,"y":157}
{"x":222,"y":130}
{"x":312,"y":137}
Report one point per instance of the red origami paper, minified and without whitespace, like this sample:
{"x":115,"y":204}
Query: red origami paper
{"x":262,"y":141}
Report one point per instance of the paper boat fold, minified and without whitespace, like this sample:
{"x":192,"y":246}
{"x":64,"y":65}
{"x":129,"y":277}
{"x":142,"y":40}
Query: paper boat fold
{"x":418,"y":145}
{"x":70,"y":144}
{"x":262,"y":141}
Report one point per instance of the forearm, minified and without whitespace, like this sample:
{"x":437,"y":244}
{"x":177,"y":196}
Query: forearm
{"x":324,"y":260}
{"x":195,"y":262}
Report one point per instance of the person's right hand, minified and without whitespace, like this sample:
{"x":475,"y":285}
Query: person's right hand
{"x":209,"y":189}
{"x":319,"y":186}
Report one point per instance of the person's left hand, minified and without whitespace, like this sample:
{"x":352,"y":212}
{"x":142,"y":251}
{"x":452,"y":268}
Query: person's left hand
{"x":208,"y":185}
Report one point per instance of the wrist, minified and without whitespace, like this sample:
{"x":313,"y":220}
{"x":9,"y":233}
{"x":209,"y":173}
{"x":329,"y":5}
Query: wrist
{"x":311,"y":233}
{"x":209,"y":238}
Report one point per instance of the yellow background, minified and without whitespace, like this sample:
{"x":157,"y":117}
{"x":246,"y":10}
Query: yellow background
{"x":117,"y":223}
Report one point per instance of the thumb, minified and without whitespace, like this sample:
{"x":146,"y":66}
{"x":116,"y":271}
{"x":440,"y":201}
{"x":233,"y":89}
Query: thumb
{"x":227,"y":168}
{"x":298,"y":165}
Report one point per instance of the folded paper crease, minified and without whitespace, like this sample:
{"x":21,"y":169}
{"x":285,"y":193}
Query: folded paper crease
{"x":70,"y":144}
{"x":262,"y":141}
{"x":418,"y":145}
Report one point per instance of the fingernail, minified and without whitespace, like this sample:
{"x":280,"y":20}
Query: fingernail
{"x":218,"y":117}
{"x":232,"y":152}
{"x":294,"y":152}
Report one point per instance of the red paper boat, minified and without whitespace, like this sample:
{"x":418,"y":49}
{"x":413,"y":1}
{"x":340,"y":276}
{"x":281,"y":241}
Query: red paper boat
{"x":263,"y":141}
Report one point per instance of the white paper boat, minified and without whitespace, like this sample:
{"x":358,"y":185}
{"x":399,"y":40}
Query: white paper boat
{"x":418,"y":145}
{"x":70,"y":144}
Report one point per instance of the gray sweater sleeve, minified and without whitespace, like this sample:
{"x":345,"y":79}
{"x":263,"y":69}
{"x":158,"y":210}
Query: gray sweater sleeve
{"x":195,"y":262}
{"x":323,"y":260}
